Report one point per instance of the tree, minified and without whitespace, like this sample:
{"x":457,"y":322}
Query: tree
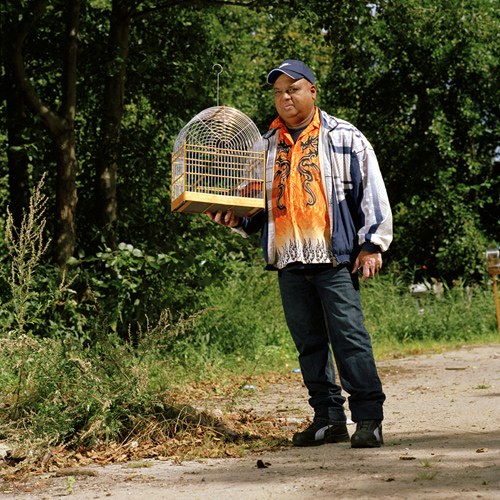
{"x":417,"y":78}
{"x":111,"y":118}
{"x":60,"y":123}
{"x":123,"y":14}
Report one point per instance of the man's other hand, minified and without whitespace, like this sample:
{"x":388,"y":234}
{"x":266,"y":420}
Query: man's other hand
{"x":370,"y":263}
{"x":227,"y":219}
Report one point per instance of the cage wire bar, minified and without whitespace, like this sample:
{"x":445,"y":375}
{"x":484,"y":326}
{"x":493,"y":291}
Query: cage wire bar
{"x":218,"y":164}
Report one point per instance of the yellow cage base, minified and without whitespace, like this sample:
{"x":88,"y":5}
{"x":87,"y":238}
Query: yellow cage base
{"x":199,"y":203}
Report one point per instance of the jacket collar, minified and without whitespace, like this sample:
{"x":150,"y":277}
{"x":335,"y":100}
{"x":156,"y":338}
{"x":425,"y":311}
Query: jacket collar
{"x":328,"y":121}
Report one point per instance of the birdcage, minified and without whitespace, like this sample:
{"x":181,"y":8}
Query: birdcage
{"x":218,"y":164}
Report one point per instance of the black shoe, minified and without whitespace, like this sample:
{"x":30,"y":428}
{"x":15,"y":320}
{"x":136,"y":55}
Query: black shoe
{"x":319,"y":433}
{"x":368,"y":434}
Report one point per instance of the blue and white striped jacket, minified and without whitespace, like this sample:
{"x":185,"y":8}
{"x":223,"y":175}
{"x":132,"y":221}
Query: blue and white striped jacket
{"x":360,"y":214}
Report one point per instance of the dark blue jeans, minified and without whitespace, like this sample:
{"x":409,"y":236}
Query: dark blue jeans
{"x":324,"y":310}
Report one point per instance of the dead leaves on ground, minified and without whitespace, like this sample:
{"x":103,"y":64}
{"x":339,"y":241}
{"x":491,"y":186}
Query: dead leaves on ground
{"x":237,"y":433}
{"x":231,"y":434}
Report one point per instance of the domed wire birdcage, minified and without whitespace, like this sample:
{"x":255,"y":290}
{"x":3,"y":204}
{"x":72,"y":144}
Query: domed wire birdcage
{"x":218,"y":164}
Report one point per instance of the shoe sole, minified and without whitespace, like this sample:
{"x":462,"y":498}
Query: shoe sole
{"x":367,"y":444}
{"x":328,"y":440}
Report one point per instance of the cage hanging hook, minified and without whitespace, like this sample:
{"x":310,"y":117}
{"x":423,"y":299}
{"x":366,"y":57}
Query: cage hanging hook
{"x":218,"y":74}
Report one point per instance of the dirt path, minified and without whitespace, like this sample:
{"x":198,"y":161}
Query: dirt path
{"x":442,"y":441}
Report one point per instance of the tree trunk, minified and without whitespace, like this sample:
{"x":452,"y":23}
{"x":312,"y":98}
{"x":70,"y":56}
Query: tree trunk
{"x":66,"y":198}
{"x":112,"y":112}
{"x":67,"y":165}
{"x":59,"y":125}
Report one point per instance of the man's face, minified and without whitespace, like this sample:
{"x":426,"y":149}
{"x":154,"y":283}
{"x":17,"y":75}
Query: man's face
{"x":294,"y":100}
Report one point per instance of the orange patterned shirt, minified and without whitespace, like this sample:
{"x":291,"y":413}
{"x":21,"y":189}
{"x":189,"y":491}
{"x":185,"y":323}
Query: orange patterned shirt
{"x":299,"y":206}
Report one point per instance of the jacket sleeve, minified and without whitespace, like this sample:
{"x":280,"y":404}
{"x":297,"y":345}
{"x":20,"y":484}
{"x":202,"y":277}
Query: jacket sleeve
{"x":374,"y":211}
{"x":251,"y":225}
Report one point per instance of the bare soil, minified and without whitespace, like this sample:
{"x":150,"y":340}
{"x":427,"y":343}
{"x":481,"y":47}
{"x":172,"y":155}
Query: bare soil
{"x":441,"y":432}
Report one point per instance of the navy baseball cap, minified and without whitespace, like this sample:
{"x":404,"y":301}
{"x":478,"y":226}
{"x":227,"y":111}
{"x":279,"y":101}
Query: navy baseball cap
{"x":292,"y":68}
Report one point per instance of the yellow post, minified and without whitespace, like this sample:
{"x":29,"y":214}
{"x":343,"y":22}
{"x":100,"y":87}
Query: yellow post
{"x":496,"y":299}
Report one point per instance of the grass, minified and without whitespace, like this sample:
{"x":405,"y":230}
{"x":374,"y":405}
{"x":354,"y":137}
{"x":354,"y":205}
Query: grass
{"x":425,"y":463}
{"x":426,"y":476}
{"x":104,"y":398}
{"x":138,"y":465}
{"x":402,"y":325}
{"x":483,"y":386}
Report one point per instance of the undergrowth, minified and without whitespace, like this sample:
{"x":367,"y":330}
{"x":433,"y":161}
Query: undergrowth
{"x":83,"y":386}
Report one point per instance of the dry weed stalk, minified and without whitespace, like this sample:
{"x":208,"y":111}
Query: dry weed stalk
{"x":26,"y":246}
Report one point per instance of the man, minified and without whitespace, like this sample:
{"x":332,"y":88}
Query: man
{"x":327,"y":218}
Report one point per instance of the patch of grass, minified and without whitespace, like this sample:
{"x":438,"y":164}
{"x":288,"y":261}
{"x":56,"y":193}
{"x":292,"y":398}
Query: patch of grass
{"x":482,"y":386}
{"x":426,"y":476}
{"x":428,"y":463}
{"x":244,"y":330}
{"x":138,"y":465}
{"x":69,"y":482}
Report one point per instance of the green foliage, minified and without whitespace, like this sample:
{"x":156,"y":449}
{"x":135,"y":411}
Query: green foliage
{"x":115,"y":399}
{"x":416,"y":77}
{"x":398,"y":319}
{"x":59,"y":340}
{"x":242,"y":325}
{"x":133,"y":286}
{"x":417,"y":80}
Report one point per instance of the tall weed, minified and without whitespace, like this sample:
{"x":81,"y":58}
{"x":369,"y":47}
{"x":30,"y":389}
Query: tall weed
{"x":54,"y":391}
{"x":26,"y":246}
